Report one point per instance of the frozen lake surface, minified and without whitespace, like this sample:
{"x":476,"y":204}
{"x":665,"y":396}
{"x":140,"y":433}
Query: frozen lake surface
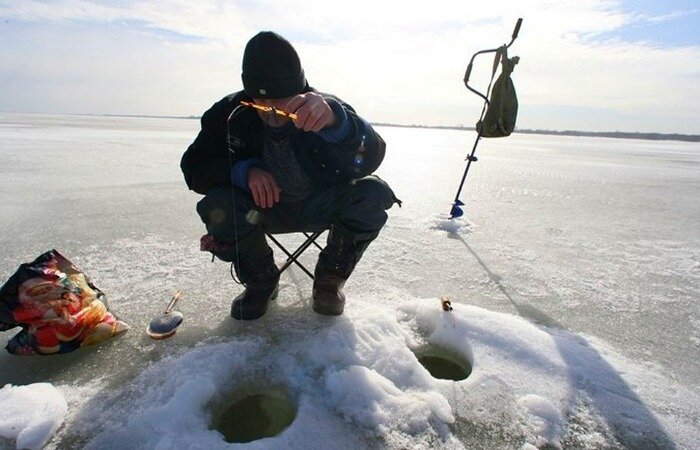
{"x":574,"y":274}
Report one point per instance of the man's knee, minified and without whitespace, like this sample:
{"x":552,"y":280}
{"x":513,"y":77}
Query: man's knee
{"x":217,"y":207}
{"x":223,"y":211}
{"x":370,"y":197}
{"x":373,"y":190}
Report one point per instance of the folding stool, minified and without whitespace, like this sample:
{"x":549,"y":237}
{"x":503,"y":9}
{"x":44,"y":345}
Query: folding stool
{"x":293,"y":257}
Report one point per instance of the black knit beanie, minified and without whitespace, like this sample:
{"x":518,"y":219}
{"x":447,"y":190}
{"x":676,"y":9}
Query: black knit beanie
{"x":271,"y":67}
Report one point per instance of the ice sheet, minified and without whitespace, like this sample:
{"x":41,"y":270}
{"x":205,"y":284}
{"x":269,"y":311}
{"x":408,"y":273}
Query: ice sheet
{"x":596,"y":239}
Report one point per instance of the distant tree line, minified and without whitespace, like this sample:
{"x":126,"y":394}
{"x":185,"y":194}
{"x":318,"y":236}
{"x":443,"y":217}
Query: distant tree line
{"x":607,"y":134}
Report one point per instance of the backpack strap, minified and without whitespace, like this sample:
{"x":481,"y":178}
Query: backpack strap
{"x":501,"y":55}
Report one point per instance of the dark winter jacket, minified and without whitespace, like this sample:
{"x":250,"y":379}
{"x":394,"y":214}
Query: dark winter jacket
{"x":208,"y":161}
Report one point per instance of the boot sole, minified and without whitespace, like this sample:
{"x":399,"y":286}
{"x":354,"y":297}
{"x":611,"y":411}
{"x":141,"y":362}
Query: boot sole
{"x":328,"y":312}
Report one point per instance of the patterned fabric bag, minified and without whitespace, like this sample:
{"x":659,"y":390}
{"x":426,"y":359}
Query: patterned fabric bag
{"x":57,"y":306}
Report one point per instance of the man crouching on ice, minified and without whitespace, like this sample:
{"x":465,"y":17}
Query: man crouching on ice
{"x":264,"y":172}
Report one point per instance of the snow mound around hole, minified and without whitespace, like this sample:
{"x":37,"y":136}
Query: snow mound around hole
{"x":358,"y":383}
{"x":543,"y":418}
{"x":31,"y":414}
{"x":442,"y":222}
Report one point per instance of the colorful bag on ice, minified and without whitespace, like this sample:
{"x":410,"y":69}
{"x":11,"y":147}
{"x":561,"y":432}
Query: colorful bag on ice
{"x":57,"y":307}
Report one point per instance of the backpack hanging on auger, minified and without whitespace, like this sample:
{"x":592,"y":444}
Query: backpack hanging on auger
{"x":502,"y":108}
{"x":499,"y":112}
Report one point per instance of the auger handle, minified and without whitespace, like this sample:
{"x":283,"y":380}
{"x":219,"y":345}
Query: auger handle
{"x":517,"y":28}
{"x":468,"y":73}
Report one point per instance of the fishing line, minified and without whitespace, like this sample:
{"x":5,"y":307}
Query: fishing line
{"x":236,"y":111}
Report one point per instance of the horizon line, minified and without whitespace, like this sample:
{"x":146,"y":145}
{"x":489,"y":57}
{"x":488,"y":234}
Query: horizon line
{"x":645,"y":135}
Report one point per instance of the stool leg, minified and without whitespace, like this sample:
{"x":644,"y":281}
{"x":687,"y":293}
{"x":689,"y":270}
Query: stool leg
{"x":315,"y":236}
{"x":292,"y":257}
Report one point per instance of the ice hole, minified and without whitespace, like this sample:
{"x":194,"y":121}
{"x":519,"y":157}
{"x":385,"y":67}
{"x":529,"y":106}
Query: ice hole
{"x":254,"y":414}
{"x":444,"y":364}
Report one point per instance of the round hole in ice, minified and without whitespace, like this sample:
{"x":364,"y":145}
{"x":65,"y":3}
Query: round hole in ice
{"x":444,"y":364}
{"x":254,"y":414}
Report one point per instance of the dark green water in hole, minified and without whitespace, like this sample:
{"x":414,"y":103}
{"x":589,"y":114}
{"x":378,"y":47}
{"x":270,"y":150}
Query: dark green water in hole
{"x":255,"y":417}
{"x":444,"y":368}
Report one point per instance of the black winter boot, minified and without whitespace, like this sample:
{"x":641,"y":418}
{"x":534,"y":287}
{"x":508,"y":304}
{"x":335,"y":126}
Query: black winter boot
{"x":258,"y":273}
{"x":335,"y":264}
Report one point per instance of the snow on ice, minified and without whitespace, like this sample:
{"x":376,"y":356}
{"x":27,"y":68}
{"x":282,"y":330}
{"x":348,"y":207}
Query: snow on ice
{"x":357,"y":382}
{"x":31,"y":414}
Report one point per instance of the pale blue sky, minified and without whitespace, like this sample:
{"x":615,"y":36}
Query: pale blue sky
{"x":594,"y":65}
{"x":681,"y":30}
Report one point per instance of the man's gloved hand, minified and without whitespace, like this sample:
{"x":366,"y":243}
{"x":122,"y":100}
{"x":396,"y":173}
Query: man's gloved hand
{"x":263,"y":187}
{"x":312,"y":110}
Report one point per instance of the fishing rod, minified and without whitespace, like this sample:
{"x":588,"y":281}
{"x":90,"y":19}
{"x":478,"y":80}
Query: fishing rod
{"x":270,"y":110}
{"x":501,"y":53}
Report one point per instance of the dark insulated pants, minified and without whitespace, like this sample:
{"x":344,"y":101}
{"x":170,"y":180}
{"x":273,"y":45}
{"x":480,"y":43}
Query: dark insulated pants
{"x":357,"y":208}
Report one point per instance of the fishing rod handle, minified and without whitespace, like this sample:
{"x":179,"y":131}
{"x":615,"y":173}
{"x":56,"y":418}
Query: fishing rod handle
{"x":173,"y":300}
